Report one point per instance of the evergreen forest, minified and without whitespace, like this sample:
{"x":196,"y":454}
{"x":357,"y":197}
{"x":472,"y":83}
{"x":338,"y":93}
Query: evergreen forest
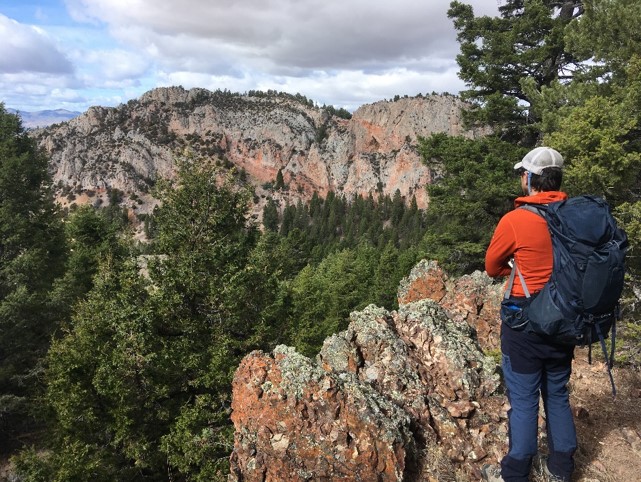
{"x":116,"y":357}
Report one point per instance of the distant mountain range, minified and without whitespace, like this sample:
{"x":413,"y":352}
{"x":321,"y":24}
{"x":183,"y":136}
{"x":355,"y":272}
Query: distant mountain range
{"x":44,"y":118}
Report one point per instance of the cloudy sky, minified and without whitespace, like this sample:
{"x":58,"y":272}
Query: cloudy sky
{"x":73,"y":54}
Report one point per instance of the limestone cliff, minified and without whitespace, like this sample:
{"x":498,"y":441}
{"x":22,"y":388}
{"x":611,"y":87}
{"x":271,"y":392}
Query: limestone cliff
{"x":405,"y":395}
{"x":131,"y":146}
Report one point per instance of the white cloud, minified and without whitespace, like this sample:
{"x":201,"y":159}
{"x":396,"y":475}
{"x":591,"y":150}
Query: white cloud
{"x":114,"y":66}
{"x":301,"y":36}
{"x":67,"y":96}
{"x":339,"y":52}
{"x":36,"y":91}
{"x":29,"y":49}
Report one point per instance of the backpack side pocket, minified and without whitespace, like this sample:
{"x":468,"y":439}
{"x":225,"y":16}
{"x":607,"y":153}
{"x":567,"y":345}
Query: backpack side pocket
{"x":514,"y":313}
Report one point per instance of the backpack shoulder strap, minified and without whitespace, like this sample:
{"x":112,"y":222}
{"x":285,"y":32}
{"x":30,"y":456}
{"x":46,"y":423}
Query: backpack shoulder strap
{"x":536,"y":209}
{"x":540,"y":209}
{"x":510,"y":281}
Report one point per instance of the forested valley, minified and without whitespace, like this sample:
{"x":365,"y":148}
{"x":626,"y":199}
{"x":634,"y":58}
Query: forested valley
{"x":116,"y":357}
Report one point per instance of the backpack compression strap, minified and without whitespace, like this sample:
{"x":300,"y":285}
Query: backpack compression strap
{"x":608,"y":361}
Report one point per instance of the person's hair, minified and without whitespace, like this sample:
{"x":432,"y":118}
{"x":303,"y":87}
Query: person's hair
{"x":550,"y":179}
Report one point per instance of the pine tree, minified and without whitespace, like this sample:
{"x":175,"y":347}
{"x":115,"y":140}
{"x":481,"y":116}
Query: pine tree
{"x":280,"y":182}
{"x":32,"y":251}
{"x":498,"y":54}
{"x":140,"y":381}
{"x":93,"y":235}
{"x":270,"y":216}
{"x":478,"y":187}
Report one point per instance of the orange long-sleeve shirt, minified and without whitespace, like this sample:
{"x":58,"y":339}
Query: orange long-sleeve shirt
{"x":524,"y":236}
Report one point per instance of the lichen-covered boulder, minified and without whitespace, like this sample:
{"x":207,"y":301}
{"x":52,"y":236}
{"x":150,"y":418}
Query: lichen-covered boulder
{"x":426,"y":363}
{"x":405,"y":395}
{"x":474,"y":299}
{"x":295,"y":421}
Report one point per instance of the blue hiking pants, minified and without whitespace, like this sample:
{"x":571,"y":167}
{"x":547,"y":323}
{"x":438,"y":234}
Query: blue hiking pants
{"x":531,"y":368}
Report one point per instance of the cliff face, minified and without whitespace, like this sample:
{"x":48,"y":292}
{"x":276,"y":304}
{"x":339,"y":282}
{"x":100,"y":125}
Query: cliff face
{"x":131,"y":146}
{"x":404,"y":395}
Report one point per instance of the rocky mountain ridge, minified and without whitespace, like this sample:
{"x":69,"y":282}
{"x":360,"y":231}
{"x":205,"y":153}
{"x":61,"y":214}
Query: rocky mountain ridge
{"x":131,"y":146}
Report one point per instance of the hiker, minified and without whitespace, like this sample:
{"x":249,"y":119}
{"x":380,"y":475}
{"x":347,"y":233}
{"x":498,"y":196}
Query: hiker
{"x":532,"y":364}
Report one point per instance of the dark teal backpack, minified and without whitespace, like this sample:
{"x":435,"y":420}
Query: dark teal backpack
{"x":579,"y":305}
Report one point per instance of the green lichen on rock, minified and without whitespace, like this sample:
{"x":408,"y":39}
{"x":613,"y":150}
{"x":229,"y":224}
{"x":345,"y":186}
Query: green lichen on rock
{"x":459,"y":344}
{"x":297,"y":370}
{"x":337,"y":352}
{"x":481,"y":278}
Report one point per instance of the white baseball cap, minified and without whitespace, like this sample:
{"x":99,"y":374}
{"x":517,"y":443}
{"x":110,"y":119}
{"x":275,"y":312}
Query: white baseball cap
{"x":538,"y":159}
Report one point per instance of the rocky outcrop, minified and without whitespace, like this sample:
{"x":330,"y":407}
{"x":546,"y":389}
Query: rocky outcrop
{"x":131,"y":146}
{"x":402,"y":395}
{"x":474,"y":299}
{"x":300,"y":422}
